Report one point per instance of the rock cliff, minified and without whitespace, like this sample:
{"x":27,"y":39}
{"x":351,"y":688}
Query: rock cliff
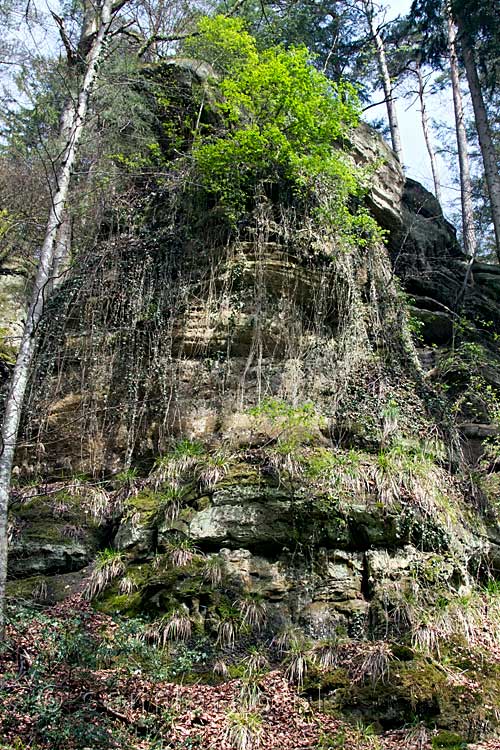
{"x":266,"y":433}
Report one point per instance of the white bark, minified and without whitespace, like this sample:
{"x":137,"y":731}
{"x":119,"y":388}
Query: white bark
{"x":469,"y":233}
{"x":484,"y":134}
{"x":427,"y":134}
{"x":386,"y":81}
{"x":62,"y":253}
{"x":72,"y":124}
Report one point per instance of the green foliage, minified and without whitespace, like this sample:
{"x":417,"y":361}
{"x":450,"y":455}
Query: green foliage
{"x":323,"y":463}
{"x":332,"y":742}
{"x":448,"y":740}
{"x":184,"y":448}
{"x":7,"y":352}
{"x":224,"y":43}
{"x":286,"y":417}
{"x":245,"y":728}
{"x":281,"y":120}
{"x":108,"y":557}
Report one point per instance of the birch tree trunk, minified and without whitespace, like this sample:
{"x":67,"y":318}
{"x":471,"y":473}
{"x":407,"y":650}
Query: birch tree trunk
{"x":469,"y":233}
{"x":484,"y":133}
{"x":386,"y":81}
{"x":427,"y":134}
{"x":72,"y":124}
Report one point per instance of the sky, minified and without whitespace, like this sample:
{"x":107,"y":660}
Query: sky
{"x":440,"y":107}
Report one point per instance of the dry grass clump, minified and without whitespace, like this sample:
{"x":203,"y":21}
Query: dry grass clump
{"x":181,"y":551}
{"x":174,"y":626}
{"x":127,"y":585}
{"x":244,"y":730}
{"x":40,"y":591}
{"x":214,"y":469}
{"x":473,"y":621}
{"x":257,"y":660}
{"x":250,"y":694}
{"x":283,"y":640}
{"x":297,"y":658}
{"x":409,"y":473}
{"x":372,"y":662}
{"x":183,"y":458}
{"x":221,"y":668}
{"x":284,"y":464}
{"x":171,"y":502}
{"x":417,"y":738}
{"x":325,"y":654}
{"x":109,"y":565}
{"x":227,"y":630}
{"x":95,"y":500}
{"x":253,"y":609}
{"x":213,"y":570}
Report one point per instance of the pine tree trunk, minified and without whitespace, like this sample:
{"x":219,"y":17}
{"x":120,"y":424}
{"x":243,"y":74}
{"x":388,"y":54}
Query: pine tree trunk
{"x":386,"y":82}
{"x":484,"y":134}
{"x":72,"y":124}
{"x":469,"y":233}
{"x":427,"y":134}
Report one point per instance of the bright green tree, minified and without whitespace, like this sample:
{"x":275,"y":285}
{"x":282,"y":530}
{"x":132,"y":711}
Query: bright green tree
{"x":281,"y":120}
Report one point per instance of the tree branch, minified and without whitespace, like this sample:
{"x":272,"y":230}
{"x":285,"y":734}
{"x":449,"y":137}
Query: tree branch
{"x":178,"y":37}
{"x":70,"y":53}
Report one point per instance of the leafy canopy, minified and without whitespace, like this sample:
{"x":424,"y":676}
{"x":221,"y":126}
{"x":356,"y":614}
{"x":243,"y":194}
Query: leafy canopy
{"x":282,"y":120}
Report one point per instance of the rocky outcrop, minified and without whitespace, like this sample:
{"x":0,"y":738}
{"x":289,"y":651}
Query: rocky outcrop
{"x":263,"y":447}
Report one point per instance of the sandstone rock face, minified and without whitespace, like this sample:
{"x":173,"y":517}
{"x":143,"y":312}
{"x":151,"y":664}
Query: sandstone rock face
{"x":263,"y":426}
{"x":51,"y":535}
{"x":12,"y":311}
{"x":385,"y":195}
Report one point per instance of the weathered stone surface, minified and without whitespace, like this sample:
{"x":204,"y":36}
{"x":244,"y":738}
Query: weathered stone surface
{"x":35,"y":556}
{"x":12,"y":306}
{"x":386,"y":191}
{"x":255,"y":572}
{"x":248,"y":523}
{"x":49,"y":535}
{"x":47,"y":589}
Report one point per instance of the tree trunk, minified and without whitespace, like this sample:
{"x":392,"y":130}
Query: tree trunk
{"x":386,"y":81}
{"x":484,"y":134}
{"x":72,"y":123}
{"x":62,"y":253}
{"x":427,"y":134}
{"x":469,"y":233}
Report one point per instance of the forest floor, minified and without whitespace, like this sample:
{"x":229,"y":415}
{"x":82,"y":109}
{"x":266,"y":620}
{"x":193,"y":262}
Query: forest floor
{"x":68,"y":682}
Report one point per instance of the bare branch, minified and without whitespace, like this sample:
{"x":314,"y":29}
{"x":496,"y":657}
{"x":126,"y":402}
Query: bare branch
{"x":70,"y":53}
